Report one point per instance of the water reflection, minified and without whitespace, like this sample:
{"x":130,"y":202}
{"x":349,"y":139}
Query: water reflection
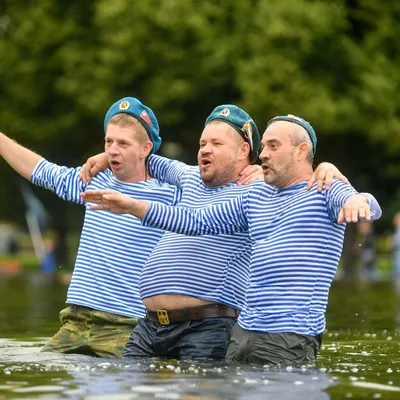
{"x":360,"y":356}
{"x":29,"y":306}
{"x":79,"y":376}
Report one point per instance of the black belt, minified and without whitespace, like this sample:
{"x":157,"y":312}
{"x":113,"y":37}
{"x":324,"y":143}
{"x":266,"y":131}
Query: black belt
{"x":166,"y":317}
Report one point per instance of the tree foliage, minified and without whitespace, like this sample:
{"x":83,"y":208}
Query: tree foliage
{"x":333,"y":62}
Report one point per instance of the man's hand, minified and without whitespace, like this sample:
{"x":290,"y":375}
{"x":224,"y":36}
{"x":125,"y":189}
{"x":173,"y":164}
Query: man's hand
{"x":111,"y":200}
{"x":356,"y":208}
{"x":115,"y":202}
{"x":250,"y":174}
{"x":325,"y":173}
{"x":93,"y":166}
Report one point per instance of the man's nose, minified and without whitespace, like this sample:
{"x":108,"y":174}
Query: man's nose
{"x":113,"y":148}
{"x":205,"y":149}
{"x":264,"y":155}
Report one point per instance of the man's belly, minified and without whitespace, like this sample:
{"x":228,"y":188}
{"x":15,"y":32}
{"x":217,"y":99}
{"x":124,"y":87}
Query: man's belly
{"x":172,"y":302}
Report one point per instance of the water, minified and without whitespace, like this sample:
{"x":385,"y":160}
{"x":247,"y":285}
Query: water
{"x":360,"y":357}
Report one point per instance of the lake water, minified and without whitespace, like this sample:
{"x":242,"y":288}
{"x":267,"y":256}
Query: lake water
{"x":360,"y":357}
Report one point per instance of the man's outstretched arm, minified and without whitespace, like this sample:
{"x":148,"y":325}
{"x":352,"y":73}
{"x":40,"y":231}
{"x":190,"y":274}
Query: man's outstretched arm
{"x":63,"y":181}
{"x":21,"y":159}
{"x":224,"y":218}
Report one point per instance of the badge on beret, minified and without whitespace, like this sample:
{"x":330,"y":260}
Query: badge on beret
{"x":124,"y":105}
{"x":146,"y":117}
{"x":247,"y":130}
{"x":225,"y":112}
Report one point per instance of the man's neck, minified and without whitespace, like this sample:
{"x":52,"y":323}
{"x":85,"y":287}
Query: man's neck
{"x":302,"y":176}
{"x":139,"y":175}
{"x":293,"y":182}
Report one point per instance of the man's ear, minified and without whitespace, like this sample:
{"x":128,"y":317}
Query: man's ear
{"x":302,"y":151}
{"x":146,"y":150}
{"x":244,"y":151}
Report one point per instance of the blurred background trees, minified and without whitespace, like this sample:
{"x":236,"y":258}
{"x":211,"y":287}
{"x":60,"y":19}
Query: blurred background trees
{"x":335,"y":63}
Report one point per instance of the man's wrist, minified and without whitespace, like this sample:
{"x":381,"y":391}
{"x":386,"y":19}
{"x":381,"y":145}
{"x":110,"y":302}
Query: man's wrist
{"x":368,"y":198}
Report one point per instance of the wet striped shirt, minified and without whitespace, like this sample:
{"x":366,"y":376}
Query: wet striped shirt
{"x":212,"y":268}
{"x":296,"y":249}
{"x":113,"y":248}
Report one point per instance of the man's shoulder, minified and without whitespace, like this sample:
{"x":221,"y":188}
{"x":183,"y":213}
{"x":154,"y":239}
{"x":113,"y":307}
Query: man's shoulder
{"x":155,"y":184}
{"x":106,"y":180}
{"x":337,"y":187}
{"x":191,"y":178}
{"x":259,"y":183}
{"x":236,"y":189}
{"x":192,"y":171}
{"x":102,"y":179}
{"x":259,"y":186}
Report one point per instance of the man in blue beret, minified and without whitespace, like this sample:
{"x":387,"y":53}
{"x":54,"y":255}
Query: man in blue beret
{"x":194,"y":287}
{"x":296,"y":239}
{"x":193,"y":297}
{"x":103,"y":297}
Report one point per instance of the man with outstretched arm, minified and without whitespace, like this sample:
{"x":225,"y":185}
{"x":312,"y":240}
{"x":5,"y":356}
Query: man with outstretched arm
{"x":103,"y":297}
{"x":193,"y":287}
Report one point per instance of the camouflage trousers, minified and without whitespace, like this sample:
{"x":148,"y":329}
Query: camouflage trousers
{"x":91,"y":332}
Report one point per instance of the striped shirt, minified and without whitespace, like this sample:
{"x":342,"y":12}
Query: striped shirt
{"x":297,"y":245}
{"x":113,"y":248}
{"x":214,"y":268}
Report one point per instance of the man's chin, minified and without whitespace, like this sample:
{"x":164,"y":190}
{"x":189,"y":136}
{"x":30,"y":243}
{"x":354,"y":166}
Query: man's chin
{"x":205,"y":176}
{"x":208,"y":179}
{"x":269,"y":179}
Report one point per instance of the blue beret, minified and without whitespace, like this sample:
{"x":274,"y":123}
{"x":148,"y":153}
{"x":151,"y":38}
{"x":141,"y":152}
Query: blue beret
{"x":241,"y":122}
{"x":144,"y":114}
{"x":299,"y":121}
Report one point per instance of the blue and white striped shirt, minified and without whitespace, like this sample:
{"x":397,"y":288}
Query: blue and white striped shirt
{"x":214,"y":268}
{"x":113,"y":248}
{"x":297,"y":245}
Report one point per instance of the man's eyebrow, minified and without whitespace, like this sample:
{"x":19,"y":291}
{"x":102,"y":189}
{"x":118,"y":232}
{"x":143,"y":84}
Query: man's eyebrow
{"x":270,"y":141}
{"x":212,"y":140}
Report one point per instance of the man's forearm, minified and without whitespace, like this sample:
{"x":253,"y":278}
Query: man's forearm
{"x":21,"y":159}
{"x":139,"y":208}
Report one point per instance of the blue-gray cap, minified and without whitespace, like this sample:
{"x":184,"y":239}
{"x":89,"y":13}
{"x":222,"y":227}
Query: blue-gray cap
{"x":299,"y":121}
{"x":144,"y":114}
{"x":241,"y":122}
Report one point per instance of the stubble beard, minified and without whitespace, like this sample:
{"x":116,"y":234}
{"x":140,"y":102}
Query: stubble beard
{"x":270,"y":178}
{"x":278,"y":177}
{"x":219,"y":178}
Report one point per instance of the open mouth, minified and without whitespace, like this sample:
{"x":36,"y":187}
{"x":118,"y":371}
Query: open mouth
{"x":265,"y":169}
{"x":115,"y":164}
{"x":205,"y":163}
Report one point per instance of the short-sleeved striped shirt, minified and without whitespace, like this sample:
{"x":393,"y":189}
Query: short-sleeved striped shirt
{"x":212,"y":268}
{"x":113,"y":248}
{"x":297,"y":245}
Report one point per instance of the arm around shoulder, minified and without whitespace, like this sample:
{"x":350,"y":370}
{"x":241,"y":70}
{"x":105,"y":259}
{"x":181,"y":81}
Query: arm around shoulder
{"x":166,"y":170}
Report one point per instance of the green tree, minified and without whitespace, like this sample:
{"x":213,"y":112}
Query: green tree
{"x":334,"y":63}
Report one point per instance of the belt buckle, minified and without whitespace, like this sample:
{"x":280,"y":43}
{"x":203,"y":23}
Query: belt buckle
{"x":163,"y":317}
